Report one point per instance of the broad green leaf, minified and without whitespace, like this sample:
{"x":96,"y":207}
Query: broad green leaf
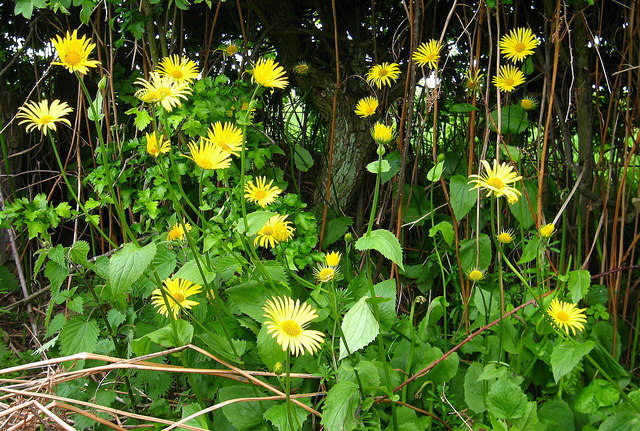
{"x":335,"y":229}
{"x":367,"y":373}
{"x":395,"y":160}
{"x":277,"y":415}
{"x":506,"y":400}
{"x":142,"y":119}
{"x":599,"y":393}
{"x":579,"y":283}
{"x":435,"y":172}
{"x":78,"y":335}
{"x":340,"y":407}
{"x":359,"y":327}
{"x":462,"y":107}
{"x":521,"y":210}
{"x":255,"y":221}
{"x":166,"y":337}
{"x":248,"y":298}
{"x":514,"y":119}
{"x":190,"y":271}
{"x":474,"y":388}
{"x":198,"y":421}
{"x":625,"y":421}
{"x":94,"y":111}
{"x":556,"y":415}
{"x":387,"y":290}
{"x":462,"y":199}
{"x":24,"y":8}
{"x":383,"y":241}
{"x":565,"y":357}
{"x":476,"y":254}
{"x":529,"y":421}
{"x":445,"y":228}
{"x":302,"y":158}
{"x":379,"y":167}
{"x":531,"y":250}
{"x":269,"y":350}
{"x":220,"y":345}
{"x":78,"y":252}
{"x":115,"y":318}
{"x":245,"y":416}
{"x":127,"y":265}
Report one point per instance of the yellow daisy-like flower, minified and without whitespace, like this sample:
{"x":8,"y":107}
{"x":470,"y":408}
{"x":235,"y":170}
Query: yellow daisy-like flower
{"x":208,"y":155}
{"x":177,"y":232}
{"x":496,"y":180}
{"x":508,"y":78}
{"x":528,"y":103}
{"x":475,"y":275}
{"x":227,"y":136}
{"x":333,"y":258}
{"x":261,"y":192}
{"x":301,"y":68}
{"x":230,"y":49}
{"x":382,"y":133}
{"x":269,"y":73}
{"x":518,"y":44}
{"x":163,"y":90}
{"x":74,"y":53}
{"x":180,"y":69}
{"x":383,"y":74}
{"x":287,"y":320}
{"x":428,"y":54}
{"x":474,"y":79}
{"x":567,"y":316}
{"x":506,"y":236}
{"x":177,"y":292}
{"x":325,"y":273}
{"x":43,"y":116}
{"x":276,"y":230}
{"x":547,"y":230}
{"x":366,"y":106}
{"x":155,"y":145}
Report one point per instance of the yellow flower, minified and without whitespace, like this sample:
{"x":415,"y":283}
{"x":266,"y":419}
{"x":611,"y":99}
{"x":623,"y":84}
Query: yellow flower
{"x":428,"y":54}
{"x":208,"y":155}
{"x":333,"y":258}
{"x":177,"y":291}
{"x":324,"y":273}
{"x":227,"y":136}
{"x":508,"y":78}
{"x":567,"y":316}
{"x":474,"y":79}
{"x":475,"y":275}
{"x":287,"y":321}
{"x":177,"y":231}
{"x":43,"y":116}
{"x":528,"y":103}
{"x":301,"y":68}
{"x":180,"y":69}
{"x":74,"y":52}
{"x":269,"y":73}
{"x":156,"y":146}
{"x":366,"y":106}
{"x":163,"y":90}
{"x":230,"y":49}
{"x":547,"y":230}
{"x":518,"y":44}
{"x":496,"y":181}
{"x":276,"y":230}
{"x":382,"y":133}
{"x":260,"y":192}
{"x":383,"y":74}
{"x":506,"y":236}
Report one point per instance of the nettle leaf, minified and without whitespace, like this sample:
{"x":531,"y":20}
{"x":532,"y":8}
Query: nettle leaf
{"x":340,"y":407}
{"x":78,"y":252}
{"x":383,"y":241}
{"x":462,"y":199}
{"x":78,"y":335}
{"x":579,"y":283}
{"x":127,"y":265}
{"x":359,"y":327}
{"x":565,"y":357}
{"x":506,"y":400}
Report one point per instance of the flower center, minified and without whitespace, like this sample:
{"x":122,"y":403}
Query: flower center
{"x":178,"y":297}
{"x":222,"y":144}
{"x":326,"y":274}
{"x":563,"y":316}
{"x":526,"y":104}
{"x":163,"y":92}
{"x":496,"y":183}
{"x":177,"y":74}
{"x":46,"y":119}
{"x":430,"y":56}
{"x":267,"y":231}
{"x":475,"y":275}
{"x":383,"y":72}
{"x":259,"y":194}
{"x":291,"y":328}
{"x":72,"y":58}
{"x":504,"y":237}
{"x":509,"y":82}
{"x":519,"y":47}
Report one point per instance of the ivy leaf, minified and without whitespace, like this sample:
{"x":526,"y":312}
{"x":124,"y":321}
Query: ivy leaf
{"x":127,"y":265}
{"x":340,"y":407}
{"x":383,"y":241}
{"x":359,"y":327}
{"x":565,"y":357}
{"x":78,"y":335}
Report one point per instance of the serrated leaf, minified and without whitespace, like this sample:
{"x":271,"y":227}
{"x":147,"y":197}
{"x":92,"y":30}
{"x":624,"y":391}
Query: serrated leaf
{"x":340,"y":407}
{"x":190,"y":271}
{"x":565,"y":357}
{"x":359,"y":327}
{"x":127,"y":265}
{"x":506,"y":400}
{"x":462,"y":199}
{"x":167,"y":337}
{"x":255,"y":221}
{"x":78,"y":335}
{"x":78,"y":252}
{"x":383,"y":241}
{"x":530,"y":251}
{"x":115,"y":318}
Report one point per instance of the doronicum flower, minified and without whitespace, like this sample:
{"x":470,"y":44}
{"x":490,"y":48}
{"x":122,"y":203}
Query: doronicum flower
{"x":428,"y":54}
{"x":155,"y":145}
{"x":301,"y":68}
{"x":43,"y":116}
{"x":287,"y":321}
{"x":474,"y":79}
{"x":547,"y":230}
{"x":177,"y":232}
{"x":269,"y":73}
{"x":366,"y":106}
{"x":518,"y":44}
{"x":208,"y":155}
{"x":276,"y":230}
{"x":227,"y":136}
{"x":496,"y":180}
{"x":528,"y":103}
{"x":333,"y":258}
{"x":383,"y":74}
{"x":567,"y":316}
{"x":74,"y":53}
{"x":177,"y":292}
{"x":180,"y":69}
{"x":475,"y":275}
{"x":381,"y":133}
{"x":261,"y":192}
{"x":505,"y":236}
{"x":163,"y":90}
{"x":230,"y":49}
{"x":325,"y":273}
{"x":508,"y":78}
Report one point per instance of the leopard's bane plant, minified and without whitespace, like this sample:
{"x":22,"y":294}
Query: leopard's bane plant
{"x":74,"y":52}
{"x":44,"y":116}
{"x":287,"y":321}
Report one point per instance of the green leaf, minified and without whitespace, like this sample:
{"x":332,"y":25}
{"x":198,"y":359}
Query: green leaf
{"x":198,"y":421}
{"x":625,"y":421}
{"x":244,"y":416}
{"x":127,"y":265}
{"x":248,"y":298}
{"x":395,"y":160}
{"x":379,"y":167}
{"x":462,"y":199}
{"x":383,"y":241}
{"x":386,"y":290}
{"x":521,"y":209}
{"x":445,"y":228}
{"x":96,"y":107}
{"x":190,"y":271}
{"x":255,"y":221}
{"x":530,"y":250}
{"x":78,"y":335}
{"x":115,"y":318}
{"x":142,"y":118}
{"x":556,"y":415}
{"x":335,"y":229}
{"x":514,"y":119}
{"x":277,"y":415}
{"x":24,"y":8}
{"x":474,"y":388}
{"x":476,"y":254}
{"x":8,"y":282}
{"x":269,"y":350}
{"x":78,"y":252}
{"x":565,"y":357}
{"x":506,"y":400}
{"x":359,"y":327}
{"x":302,"y":158}
{"x":435,"y":172}
{"x":529,"y":421}
{"x":462,"y":107}
{"x":579,"y":283}
{"x":340,"y":407}
{"x":599,"y":393}
{"x":166,"y":337}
